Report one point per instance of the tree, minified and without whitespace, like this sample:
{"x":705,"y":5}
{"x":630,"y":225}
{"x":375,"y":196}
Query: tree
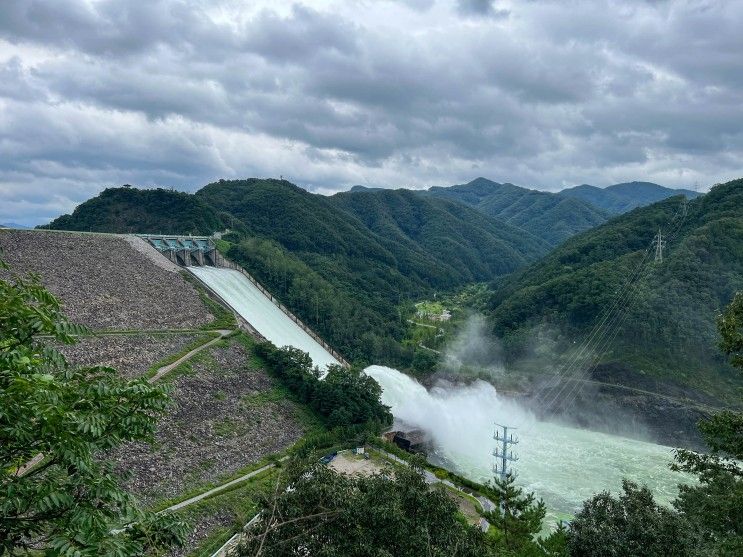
{"x":715,"y":504}
{"x":517,"y":518}
{"x":56,"y":495}
{"x":316,"y":511}
{"x":346,"y":397}
{"x":730,"y":327}
{"x":708,"y":516}
{"x":631,"y":524}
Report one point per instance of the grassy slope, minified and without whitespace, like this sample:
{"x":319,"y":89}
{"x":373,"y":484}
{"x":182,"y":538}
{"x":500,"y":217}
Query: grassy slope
{"x":670,"y":330}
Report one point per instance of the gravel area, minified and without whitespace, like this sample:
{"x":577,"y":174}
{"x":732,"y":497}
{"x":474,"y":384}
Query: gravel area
{"x":130,"y":355}
{"x":104,"y":282}
{"x":224,"y":417}
{"x":202,"y":529}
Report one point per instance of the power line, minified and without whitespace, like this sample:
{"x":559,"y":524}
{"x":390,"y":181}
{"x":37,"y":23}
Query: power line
{"x":608,"y":327}
{"x":598,"y":342}
{"x":596,"y":333}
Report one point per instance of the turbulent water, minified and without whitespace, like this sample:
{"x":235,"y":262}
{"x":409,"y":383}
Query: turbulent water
{"x":562,"y":465}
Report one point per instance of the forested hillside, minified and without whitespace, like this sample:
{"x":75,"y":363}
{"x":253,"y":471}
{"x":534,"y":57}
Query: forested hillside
{"x":127,"y":209}
{"x":621,"y":198}
{"x":551,"y":217}
{"x":669,"y":330}
{"x":345,"y":264}
{"x":347,"y":276}
{"x":459,"y":238}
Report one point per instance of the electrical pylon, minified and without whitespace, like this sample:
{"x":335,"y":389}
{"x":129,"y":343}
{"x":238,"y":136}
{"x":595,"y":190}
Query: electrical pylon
{"x":502,"y":453}
{"x":659,"y":244}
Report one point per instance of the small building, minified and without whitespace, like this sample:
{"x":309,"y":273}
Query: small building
{"x":411,"y":441}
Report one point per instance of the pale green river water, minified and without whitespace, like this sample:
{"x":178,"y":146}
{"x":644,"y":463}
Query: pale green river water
{"x":562,"y":465}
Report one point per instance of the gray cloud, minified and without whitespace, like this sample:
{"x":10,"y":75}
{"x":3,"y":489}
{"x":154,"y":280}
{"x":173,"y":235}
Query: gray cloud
{"x":181,"y":92}
{"x":481,"y":8}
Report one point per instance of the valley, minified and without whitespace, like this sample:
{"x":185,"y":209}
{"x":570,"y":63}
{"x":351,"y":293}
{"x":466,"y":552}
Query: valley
{"x":479,"y":319}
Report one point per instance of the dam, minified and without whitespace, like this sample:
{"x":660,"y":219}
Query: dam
{"x":244,"y":295}
{"x":262,"y":313}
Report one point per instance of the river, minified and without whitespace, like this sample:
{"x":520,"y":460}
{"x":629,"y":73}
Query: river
{"x":562,"y":465}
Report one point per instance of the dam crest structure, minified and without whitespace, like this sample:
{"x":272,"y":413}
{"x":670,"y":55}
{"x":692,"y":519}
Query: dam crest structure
{"x":261,"y":312}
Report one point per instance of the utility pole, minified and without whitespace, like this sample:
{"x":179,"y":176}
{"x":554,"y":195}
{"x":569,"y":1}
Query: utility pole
{"x":502,"y":453}
{"x":659,"y":244}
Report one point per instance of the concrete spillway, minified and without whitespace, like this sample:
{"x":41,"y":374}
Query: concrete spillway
{"x":262,"y":313}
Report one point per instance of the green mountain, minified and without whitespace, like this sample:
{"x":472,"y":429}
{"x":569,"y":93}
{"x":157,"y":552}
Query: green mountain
{"x":552,"y":217}
{"x":345,"y":268}
{"x":344,"y":263}
{"x":457,"y":237}
{"x":666,"y":322}
{"x":128,"y":209}
{"x":621,"y":198}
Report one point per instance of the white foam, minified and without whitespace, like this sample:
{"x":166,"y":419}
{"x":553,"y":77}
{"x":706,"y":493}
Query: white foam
{"x":258,"y":310}
{"x":562,"y":465}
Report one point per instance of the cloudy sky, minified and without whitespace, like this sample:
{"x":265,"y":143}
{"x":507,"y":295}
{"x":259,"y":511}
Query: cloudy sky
{"x":331,"y":93}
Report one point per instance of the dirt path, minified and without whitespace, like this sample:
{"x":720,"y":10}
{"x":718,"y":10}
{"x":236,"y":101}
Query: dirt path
{"x":219,"y":488}
{"x":165,"y":369}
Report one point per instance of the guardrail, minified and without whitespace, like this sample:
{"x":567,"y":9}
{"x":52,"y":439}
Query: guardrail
{"x":222,"y":261}
{"x":234,"y":540}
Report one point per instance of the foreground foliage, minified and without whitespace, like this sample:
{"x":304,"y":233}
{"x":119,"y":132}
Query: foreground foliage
{"x":517,"y":519}
{"x":630,"y":524}
{"x":318,"y":512}
{"x":56,"y":496}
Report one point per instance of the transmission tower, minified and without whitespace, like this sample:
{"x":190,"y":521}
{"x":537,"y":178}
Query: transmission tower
{"x":659,"y":244}
{"x":502,"y":453}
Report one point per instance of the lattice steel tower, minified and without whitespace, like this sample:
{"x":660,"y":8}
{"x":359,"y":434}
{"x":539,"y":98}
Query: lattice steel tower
{"x":502,"y":453}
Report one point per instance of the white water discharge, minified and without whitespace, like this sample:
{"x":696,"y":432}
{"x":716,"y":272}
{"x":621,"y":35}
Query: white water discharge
{"x":258,"y":310}
{"x":562,"y":465}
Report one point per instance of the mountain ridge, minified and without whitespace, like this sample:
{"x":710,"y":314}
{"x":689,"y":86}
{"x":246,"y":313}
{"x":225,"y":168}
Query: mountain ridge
{"x":546,"y":215}
{"x":669,"y":329}
{"x":343,"y":275}
{"x":623,"y":197}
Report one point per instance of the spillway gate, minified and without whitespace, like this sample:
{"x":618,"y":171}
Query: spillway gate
{"x":187,"y":251}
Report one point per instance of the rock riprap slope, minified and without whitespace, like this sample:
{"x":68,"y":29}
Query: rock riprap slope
{"x":104,"y":282}
{"x":227,"y":414}
{"x":132,"y":355}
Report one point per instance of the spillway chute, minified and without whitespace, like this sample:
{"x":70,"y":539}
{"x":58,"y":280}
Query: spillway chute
{"x":262,"y":313}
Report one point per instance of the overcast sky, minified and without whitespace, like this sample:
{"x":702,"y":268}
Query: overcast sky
{"x":414,"y":93}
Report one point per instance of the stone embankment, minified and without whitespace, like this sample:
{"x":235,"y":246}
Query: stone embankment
{"x":104,"y":282}
{"x":130,"y":355}
{"x":224,"y":417}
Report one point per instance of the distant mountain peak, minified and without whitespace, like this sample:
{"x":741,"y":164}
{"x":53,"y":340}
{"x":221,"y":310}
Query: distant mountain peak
{"x":623,"y":197}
